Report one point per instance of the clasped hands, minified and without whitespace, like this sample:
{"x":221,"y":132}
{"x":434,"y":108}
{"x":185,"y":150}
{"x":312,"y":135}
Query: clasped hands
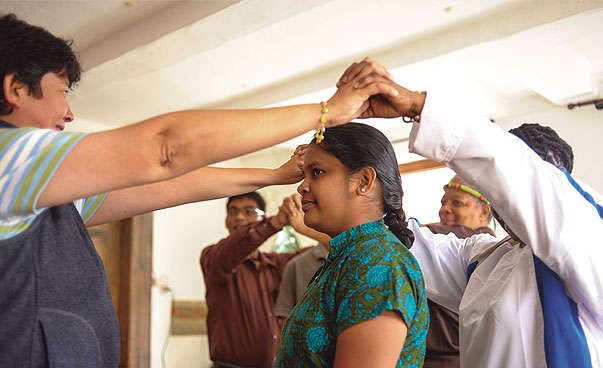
{"x":368,"y":71}
{"x":359,"y":76}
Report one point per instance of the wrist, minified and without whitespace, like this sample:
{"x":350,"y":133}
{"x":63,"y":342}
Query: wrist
{"x":329,"y":115}
{"x":275,"y":177}
{"x":275,"y":223}
{"x":417,"y":103}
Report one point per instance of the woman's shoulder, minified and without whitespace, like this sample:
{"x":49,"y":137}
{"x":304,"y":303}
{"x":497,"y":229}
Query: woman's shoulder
{"x":382,"y":248}
{"x":384,"y":241}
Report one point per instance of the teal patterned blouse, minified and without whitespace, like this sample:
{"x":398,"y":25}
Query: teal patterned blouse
{"x":368,"y":271}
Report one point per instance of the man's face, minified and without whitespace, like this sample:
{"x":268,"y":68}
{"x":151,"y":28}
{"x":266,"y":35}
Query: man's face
{"x":51,"y":111}
{"x":241,"y":212}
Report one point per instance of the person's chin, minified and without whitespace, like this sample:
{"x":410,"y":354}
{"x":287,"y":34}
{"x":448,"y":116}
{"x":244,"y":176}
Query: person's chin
{"x":311,"y":220}
{"x":447,"y":222}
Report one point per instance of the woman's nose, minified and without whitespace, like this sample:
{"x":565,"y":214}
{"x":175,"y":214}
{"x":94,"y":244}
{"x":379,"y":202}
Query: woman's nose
{"x":303,"y":188}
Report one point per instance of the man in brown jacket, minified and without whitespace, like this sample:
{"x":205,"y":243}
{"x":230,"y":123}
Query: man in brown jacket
{"x":242,"y":284}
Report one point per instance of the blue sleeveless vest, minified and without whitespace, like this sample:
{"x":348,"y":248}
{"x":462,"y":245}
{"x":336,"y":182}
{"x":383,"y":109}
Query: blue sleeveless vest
{"x":55,"y":305}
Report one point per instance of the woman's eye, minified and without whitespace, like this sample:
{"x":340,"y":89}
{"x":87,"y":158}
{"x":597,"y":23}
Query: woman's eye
{"x":316,"y":172}
{"x":457,"y":203}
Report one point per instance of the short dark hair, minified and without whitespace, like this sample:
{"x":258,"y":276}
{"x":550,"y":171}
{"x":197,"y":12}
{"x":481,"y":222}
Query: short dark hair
{"x":359,"y":145}
{"x":31,"y":52}
{"x":547,"y":144}
{"x":251,"y":195}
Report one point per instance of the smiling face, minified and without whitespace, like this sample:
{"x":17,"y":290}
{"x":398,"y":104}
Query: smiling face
{"x":328,"y":196}
{"x":461,"y":208}
{"x":48,"y":111}
{"x":241,"y":212}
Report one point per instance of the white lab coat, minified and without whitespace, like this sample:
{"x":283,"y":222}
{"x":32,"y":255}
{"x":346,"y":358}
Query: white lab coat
{"x":502,"y":319}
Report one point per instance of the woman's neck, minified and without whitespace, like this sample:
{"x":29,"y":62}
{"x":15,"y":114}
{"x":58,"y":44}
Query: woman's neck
{"x":356,"y":221}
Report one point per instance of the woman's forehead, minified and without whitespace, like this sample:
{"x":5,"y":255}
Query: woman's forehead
{"x":455,"y":193}
{"x":317,"y":156}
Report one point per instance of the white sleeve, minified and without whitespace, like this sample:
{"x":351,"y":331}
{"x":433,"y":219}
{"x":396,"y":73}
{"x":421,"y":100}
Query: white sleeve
{"x":444,"y":260}
{"x":533,"y":197}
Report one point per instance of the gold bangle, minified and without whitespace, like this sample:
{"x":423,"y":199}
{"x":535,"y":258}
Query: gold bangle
{"x":319,"y":132}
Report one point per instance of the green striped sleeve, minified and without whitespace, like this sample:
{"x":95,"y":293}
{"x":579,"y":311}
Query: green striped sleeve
{"x":90,"y":205}
{"x":8,"y":231}
{"x":40,"y":170}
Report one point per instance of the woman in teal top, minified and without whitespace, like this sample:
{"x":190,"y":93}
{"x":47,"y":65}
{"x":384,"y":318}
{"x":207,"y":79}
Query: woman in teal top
{"x":366,"y":307}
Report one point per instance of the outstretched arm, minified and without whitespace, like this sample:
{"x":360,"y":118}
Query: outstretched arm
{"x":219,"y":260}
{"x":171,"y":145}
{"x":534,"y":198}
{"x":199,"y":185}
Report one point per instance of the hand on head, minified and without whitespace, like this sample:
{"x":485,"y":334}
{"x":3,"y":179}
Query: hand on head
{"x":292,"y":171}
{"x":383,"y":105}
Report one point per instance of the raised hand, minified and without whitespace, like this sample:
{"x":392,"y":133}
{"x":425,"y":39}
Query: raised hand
{"x":362,"y":69}
{"x":292,"y":207}
{"x":369,"y":72}
{"x":351,"y":99}
{"x":280,"y":219}
{"x":292,"y":171}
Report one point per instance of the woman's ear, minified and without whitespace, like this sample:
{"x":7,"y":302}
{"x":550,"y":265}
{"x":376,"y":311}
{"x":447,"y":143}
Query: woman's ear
{"x":485,"y":211}
{"x":365,"y":181}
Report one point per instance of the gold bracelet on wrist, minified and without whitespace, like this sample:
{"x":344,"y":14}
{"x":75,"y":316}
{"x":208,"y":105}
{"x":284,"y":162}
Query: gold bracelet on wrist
{"x":319,"y":132}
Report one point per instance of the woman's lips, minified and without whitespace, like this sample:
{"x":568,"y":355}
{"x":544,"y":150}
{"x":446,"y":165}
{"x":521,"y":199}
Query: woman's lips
{"x":306,"y":205}
{"x":446,"y":221}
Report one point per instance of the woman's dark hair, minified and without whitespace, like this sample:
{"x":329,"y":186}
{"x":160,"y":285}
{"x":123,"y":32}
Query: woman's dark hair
{"x":31,"y":52}
{"x":359,"y":145}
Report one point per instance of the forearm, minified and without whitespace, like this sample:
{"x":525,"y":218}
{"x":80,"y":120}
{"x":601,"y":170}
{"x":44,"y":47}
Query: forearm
{"x":232,"y":250}
{"x":443,"y":260}
{"x":194,"y":136}
{"x":316,"y":235}
{"x":214,"y":182}
{"x":199,"y":185}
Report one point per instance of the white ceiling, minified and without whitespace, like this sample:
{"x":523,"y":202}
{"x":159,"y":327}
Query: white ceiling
{"x":151,"y":57}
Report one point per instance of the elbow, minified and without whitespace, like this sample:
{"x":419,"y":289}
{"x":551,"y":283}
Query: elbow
{"x":173,"y":145}
{"x":167,"y":151}
{"x":167,"y":155}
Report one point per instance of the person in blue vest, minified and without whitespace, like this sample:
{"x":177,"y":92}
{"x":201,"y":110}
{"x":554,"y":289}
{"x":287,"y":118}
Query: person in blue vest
{"x":55,"y":305}
{"x":532,"y":299}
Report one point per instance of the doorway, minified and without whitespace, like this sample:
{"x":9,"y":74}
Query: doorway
{"x":126,"y":248}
